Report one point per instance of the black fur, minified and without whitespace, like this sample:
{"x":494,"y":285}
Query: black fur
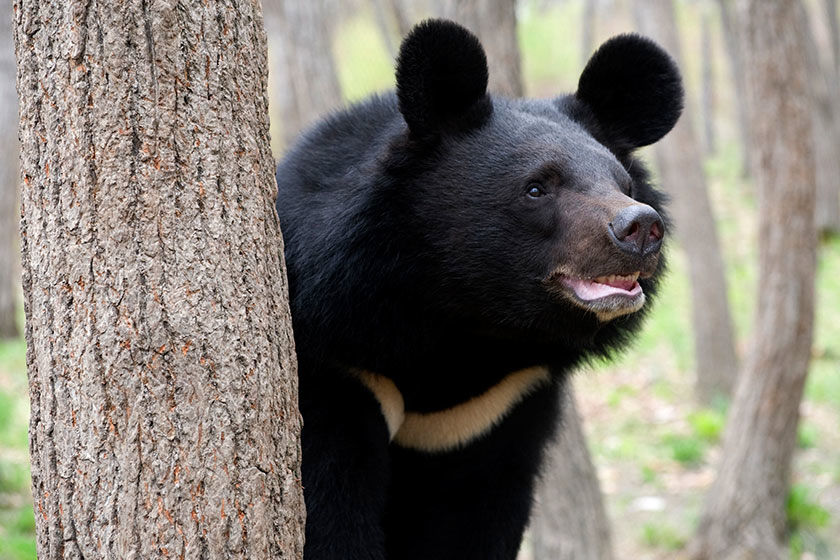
{"x":414,"y":250}
{"x":442,"y":79}
{"x":634,"y":88}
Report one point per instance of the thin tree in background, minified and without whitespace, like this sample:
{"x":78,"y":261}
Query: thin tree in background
{"x":731,"y":29}
{"x":306,"y":82}
{"x":744,"y":514}
{"x":9,"y":217}
{"x":569,"y":520}
{"x":382,"y":9}
{"x":404,"y":15}
{"x":680,"y":164}
{"x":708,"y":87}
{"x":164,"y":420}
{"x":587,"y":43}
{"x":833,"y":20}
{"x":493,"y":21}
{"x":826,"y":113}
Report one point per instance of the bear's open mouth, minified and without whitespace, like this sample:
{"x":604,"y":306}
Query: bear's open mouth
{"x":603,"y":286}
{"x":606,"y":296}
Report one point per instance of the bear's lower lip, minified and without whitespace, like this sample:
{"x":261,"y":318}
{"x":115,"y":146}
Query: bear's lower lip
{"x":606,"y":296}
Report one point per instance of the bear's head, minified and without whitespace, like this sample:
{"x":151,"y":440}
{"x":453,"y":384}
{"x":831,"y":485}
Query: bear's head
{"x":534,"y":215}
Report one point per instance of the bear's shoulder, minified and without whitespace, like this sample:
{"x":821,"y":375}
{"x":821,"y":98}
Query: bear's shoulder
{"x":343,"y":141}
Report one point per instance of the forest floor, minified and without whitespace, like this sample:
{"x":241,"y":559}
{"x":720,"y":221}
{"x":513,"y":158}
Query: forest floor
{"x":656,"y":452}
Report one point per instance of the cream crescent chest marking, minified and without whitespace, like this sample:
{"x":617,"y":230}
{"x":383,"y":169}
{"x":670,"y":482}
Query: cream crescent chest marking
{"x":456,"y":426}
{"x":389,"y":397}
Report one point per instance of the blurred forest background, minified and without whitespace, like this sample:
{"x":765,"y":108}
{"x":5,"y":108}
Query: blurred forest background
{"x":654,"y":419}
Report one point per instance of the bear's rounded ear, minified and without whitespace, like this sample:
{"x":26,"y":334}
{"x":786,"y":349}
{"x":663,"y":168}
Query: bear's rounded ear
{"x":634,"y":89}
{"x":442,"y":79}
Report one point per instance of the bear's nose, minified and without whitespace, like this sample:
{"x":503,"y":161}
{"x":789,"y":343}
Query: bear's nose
{"x":637,"y":230}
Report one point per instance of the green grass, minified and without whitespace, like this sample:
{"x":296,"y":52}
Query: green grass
{"x":24,"y":521}
{"x":707,"y":424}
{"x":824,"y":380}
{"x":619,"y":393}
{"x":805,"y":518}
{"x":807,"y":436}
{"x":8,"y":407}
{"x":686,"y":450}
{"x":14,"y":477}
{"x":13,"y":427}
{"x":17,"y":522}
{"x":662,"y":535}
{"x":17,"y":547}
{"x":13,"y":359}
{"x":649,"y":474}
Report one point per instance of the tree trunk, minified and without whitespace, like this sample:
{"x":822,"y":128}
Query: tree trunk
{"x":587,"y":45}
{"x":681,"y":169}
{"x":380,"y":12}
{"x":164,"y":419}
{"x":494,"y":22}
{"x":826,"y":113}
{"x":731,"y":27}
{"x":744,"y":513}
{"x":708,"y":98}
{"x":9,"y":217}
{"x":404,"y":15}
{"x":833,"y":31}
{"x":304,"y":49}
{"x":569,"y":521}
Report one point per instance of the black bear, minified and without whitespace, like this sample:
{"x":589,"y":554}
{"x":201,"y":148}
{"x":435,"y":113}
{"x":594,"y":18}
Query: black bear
{"x":452,"y":256}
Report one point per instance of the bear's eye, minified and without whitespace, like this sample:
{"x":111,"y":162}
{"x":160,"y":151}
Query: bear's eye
{"x":535,"y":190}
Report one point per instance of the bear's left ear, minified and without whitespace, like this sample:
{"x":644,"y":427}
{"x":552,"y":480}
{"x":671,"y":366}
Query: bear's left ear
{"x":634,"y":89}
{"x":442,"y":79}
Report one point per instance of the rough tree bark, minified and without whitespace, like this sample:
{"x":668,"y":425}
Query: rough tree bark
{"x":680,"y":164}
{"x":730,"y":25}
{"x":494,"y":22}
{"x":569,"y":521}
{"x":744,"y":515}
{"x":303,"y":47}
{"x":9,"y":217}
{"x":164,"y":418}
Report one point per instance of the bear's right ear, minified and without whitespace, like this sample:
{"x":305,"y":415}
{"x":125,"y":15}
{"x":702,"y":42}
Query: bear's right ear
{"x":442,"y":79}
{"x":634,"y":89}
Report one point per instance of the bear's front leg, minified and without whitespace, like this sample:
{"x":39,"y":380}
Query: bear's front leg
{"x":345,"y":467}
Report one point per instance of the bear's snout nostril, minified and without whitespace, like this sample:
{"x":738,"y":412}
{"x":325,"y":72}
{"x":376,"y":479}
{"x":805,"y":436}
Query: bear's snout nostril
{"x":637,"y":229}
{"x":655,"y":231}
